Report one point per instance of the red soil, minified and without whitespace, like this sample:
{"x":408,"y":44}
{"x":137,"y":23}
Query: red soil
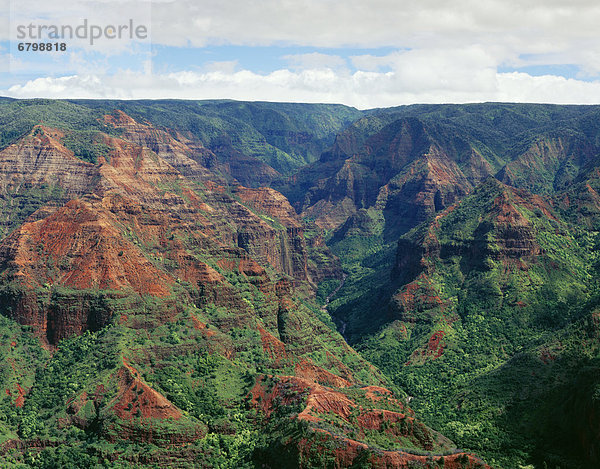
{"x":214,"y":187}
{"x":272,"y":346}
{"x":119,"y":119}
{"x":309,"y":371}
{"x":199,"y":325}
{"x":434,"y":344}
{"x":347,"y":450}
{"x":419,"y":295}
{"x":377,"y":393}
{"x":84,"y":250}
{"x":270,"y":202}
{"x":20,"y":400}
{"x":323,"y":401}
{"x":193,"y":271}
{"x":432,"y":350}
{"x":134,"y":395}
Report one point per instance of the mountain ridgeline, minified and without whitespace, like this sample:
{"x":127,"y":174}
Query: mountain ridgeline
{"x":235,"y":284}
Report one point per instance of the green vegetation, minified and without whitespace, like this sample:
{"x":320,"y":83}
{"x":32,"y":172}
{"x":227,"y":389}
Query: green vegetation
{"x":17,"y":205}
{"x":284,"y":136}
{"x":18,"y":117}
{"x":87,"y":145}
{"x":512,"y":329}
{"x":484,"y":315}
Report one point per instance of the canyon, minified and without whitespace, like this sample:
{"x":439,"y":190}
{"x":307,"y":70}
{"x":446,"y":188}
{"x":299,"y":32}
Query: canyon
{"x":175,"y":275}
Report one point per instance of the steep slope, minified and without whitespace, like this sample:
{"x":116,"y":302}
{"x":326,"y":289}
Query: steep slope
{"x":107,"y":241}
{"x":549,"y":162}
{"x":400,"y":169}
{"x":189,"y":157}
{"x":166,"y":298}
{"x":37,"y":170}
{"x":178,"y":305}
{"x":470,"y":304}
{"x":494,"y":291}
{"x":413,"y":161}
{"x":254,"y":143}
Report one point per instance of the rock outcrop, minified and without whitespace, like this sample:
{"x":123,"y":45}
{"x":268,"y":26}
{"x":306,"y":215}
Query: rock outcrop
{"x":330,"y":413}
{"x":399,"y":168}
{"x":145,"y":217}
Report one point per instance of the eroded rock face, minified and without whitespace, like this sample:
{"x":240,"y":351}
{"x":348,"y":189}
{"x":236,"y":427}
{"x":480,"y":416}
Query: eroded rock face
{"x":137,"y":227}
{"x":364,"y":416}
{"x":429,"y":186}
{"x":79,"y":247}
{"x":349,"y":452}
{"x":188,"y":156}
{"x":400,"y":169}
{"x":40,"y":159}
{"x":502,"y":236}
{"x":284,"y":250}
{"x":187,"y":268}
{"x":550,"y":162}
{"x":143,"y":414}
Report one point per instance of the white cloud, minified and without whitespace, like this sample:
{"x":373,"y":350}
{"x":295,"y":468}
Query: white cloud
{"x":446,"y":51}
{"x":226,"y":66}
{"x":536,"y":26}
{"x":316,"y":60}
{"x":361,"y":89}
{"x":509,"y":28}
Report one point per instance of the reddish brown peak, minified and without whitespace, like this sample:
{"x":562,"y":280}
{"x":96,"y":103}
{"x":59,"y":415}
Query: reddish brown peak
{"x":191,"y":270}
{"x":135,"y":397}
{"x":443,"y":170}
{"x":272,"y":346}
{"x":323,"y":402}
{"x":47,"y":134}
{"x":78,"y":246}
{"x":271,"y":203}
{"x":145,"y":415}
{"x":130,"y":157}
{"x":505,"y":212}
{"x":134,"y":170}
{"x":322,"y":399}
{"x":546,"y":206}
{"x":418,"y":296}
{"x":45,"y":139}
{"x":506,"y":206}
{"x":436,"y":170}
{"x":378,"y":394}
{"x":308,"y":370}
{"x":330,"y":215}
{"x":119,"y":119}
{"x":186,"y":154}
{"x":40,"y":158}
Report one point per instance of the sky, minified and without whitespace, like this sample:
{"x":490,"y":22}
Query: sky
{"x":365,"y":54}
